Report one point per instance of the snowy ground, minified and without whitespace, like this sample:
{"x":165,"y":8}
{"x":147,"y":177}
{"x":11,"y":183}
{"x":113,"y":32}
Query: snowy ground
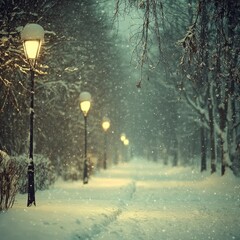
{"x":136,"y":200}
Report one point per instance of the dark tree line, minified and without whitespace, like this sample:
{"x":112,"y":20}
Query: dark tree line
{"x":187,"y":53}
{"x":190,"y":50}
{"x":79,"y":54}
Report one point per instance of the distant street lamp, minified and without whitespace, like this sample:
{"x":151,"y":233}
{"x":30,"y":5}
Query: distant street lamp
{"x":126,"y":143}
{"x":123,"y":137}
{"x":85,"y":104}
{"x":32,"y":36}
{"x":105,"y":126}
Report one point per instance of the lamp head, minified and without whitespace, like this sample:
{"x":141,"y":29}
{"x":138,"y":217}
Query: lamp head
{"x":32,"y":36}
{"x":85,"y":102}
{"x":126,"y":142}
{"x":105,"y":124}
{"x":123,"y":137}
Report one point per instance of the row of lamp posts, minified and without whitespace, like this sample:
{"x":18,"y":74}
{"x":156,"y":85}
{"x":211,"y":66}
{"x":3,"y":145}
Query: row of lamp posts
{"x":32,"y":37}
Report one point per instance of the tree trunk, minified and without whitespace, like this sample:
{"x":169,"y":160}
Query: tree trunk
{"x":203,"y":74}
{"x":227,"y":83}
{"x":232,"y":58}
{"x":203,"y":149}
{"x":212,"y":132}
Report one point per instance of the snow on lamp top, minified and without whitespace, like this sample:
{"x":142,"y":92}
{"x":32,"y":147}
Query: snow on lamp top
{"x":85,"y":102}
{"x":32,"y":36}
{"x":32,"y":31}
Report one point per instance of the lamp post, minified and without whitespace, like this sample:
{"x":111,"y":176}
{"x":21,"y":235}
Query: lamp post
{"x":122,"y":138}
{"x":105,"y":126}
{"x":32,"y":36}
{"x":126,"y":142}
{"x":85,"y":104}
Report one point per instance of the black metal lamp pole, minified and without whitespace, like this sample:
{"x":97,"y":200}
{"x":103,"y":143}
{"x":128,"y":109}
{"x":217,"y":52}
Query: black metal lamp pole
{"x":85,"y":163}
{"x":85,"y":103}
{"x":31,"y":190}
{"x":105,"y":125}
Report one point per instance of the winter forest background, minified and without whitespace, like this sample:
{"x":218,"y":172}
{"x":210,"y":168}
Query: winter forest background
{"x":165,"y":72}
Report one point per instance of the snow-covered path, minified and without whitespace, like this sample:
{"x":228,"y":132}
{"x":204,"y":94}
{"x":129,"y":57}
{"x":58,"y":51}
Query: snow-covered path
{"x":135,"y":200}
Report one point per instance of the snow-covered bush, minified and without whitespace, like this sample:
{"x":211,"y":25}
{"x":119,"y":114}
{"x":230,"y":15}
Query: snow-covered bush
{"x":14,"y":178}
{"x":8,"y":181}
{"x":43,"y":172}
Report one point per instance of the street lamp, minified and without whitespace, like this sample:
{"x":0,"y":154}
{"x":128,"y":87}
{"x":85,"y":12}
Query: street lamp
{"x":126,"y":142}
{"x":123,"y":137}
{"x":85,"y":104}
{"x":105,"y":126}
{"x":32,"y":37}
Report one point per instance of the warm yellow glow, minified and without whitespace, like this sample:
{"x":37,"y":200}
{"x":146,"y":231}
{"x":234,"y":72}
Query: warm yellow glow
{"x":85,"y":106}
{"x":126,"y":142}
{"x":32,"y":36}
{"x":32,"y":48}
{"x":123,"y":137}
{"x":106,"y":125}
